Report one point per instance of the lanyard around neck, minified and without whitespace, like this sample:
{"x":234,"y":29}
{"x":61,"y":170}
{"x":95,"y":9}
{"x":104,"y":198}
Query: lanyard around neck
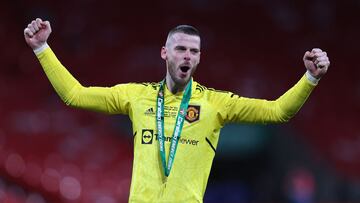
{"x":178,"y":125}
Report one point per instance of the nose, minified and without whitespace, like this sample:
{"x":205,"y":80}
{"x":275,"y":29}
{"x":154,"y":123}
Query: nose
{"x":187,"y":55}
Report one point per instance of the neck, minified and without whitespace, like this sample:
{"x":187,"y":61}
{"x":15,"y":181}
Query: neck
{"x":173,"y":87}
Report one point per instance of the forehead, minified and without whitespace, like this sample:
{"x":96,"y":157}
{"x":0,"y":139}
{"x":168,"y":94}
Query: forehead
{"x":182,"y":39}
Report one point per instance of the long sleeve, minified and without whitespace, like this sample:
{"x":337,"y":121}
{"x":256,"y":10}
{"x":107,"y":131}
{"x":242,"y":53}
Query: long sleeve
{"x":248,"y":110}
{"x":110,"y":100}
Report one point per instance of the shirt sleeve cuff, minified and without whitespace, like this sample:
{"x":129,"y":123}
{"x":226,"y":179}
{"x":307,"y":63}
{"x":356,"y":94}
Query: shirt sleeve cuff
{"x":41,"y":49}
{"x":311,"y":78}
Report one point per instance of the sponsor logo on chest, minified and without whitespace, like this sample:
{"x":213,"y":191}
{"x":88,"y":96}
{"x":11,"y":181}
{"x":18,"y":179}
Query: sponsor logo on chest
{"x":148,"y":137}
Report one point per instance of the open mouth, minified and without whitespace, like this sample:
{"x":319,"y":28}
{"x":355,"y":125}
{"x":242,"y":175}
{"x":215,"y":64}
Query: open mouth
{"x":184,"y":69}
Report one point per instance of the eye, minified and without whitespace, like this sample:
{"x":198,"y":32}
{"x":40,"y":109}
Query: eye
{"x":194,"y":51}
{"x":180,"y":48}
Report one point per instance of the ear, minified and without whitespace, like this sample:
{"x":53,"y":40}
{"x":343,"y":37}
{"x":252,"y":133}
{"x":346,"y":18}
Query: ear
{"x":163,"y":53}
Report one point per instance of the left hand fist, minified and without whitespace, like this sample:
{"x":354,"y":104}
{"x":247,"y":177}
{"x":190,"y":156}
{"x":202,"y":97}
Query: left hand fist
{"x":316,"y":62}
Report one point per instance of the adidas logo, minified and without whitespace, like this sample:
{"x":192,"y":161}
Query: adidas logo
{"x":150,"y":111}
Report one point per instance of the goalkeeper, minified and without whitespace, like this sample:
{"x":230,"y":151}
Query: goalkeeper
{"x":176,"y":122}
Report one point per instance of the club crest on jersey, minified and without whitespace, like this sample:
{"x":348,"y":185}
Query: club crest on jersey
{"x":147,"y":136}
{"x":193,"y":113}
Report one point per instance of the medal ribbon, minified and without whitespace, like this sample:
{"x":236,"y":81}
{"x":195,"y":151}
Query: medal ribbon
{"x":178,"y":125}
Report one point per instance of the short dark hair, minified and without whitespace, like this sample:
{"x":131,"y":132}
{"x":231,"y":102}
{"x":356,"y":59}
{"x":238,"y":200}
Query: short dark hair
{"x":186,"y":29}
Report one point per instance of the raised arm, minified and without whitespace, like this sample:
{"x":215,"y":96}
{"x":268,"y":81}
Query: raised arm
{"x":240,"y":109}
{"x":108,"y":100}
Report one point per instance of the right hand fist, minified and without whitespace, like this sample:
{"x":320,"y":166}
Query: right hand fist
{"x":37,"y":32}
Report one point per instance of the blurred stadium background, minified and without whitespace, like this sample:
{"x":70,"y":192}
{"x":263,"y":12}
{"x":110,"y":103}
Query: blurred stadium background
{"x":50,"y":153}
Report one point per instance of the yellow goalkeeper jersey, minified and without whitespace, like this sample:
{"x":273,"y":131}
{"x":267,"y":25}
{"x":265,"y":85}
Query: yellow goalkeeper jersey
{"x":208,"y":111}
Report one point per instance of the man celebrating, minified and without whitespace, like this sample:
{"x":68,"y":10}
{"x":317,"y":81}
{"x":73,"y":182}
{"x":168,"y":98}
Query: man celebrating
{"x":176,"y":122}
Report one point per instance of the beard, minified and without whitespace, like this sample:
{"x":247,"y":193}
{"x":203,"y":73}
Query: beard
{"x":174,"y":71}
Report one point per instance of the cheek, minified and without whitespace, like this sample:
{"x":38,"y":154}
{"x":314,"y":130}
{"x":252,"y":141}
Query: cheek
{"x":195,"y":64}
{"x":172,"y":66}
{"x":173,"y":58}
{"x":177,"y":58}
{"x":196,"y":60}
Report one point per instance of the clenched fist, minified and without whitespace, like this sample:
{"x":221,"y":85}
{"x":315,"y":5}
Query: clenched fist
{"x":37,"y":32}
{"x":316,"y":62}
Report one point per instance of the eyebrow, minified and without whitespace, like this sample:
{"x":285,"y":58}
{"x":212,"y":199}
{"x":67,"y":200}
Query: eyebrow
{"x":184,"y":47}
{"x":179,"y":47}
